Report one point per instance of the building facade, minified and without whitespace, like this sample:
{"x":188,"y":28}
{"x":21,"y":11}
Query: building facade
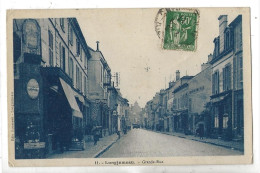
{"x":199,"y":91}
{"x":50,"y":79}
{"x":227,"y":80}
{"x":99,"y":75}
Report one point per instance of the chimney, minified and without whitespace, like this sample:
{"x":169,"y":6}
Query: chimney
{"x":223,"y":19}
{"x":210,"y":56}
{"x":171,"y":83}
{"x":204,"y":66}
{"x":97,"y":45}
{"x":177,"y":75}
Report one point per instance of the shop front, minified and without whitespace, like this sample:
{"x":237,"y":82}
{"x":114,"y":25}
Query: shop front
{"x":222,"y":115}
{"x":63,"y":119}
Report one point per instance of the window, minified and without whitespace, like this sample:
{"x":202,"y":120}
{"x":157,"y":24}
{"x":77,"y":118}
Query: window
{"x":62,"y":57}
{"x":101,"y":75}
{"x":85,"y":62}
{"x":85,"y":85}
{"x":227,"y":39}
{"x":80,"y":81}
{"x":227,"y":78}
{"x":71,"y":35}
{"x":215,"y":83}
{"x":80,"y":52}
{"x":62,"y":24}
{"x":225,"y":121}
{"x":240,"y":71}
{"x":77,"y":77}
{"x":50,"y":48}
{"x":71,"y":68}
{"x":216,"y":50}
{"x":216,"y":122}
{"x":77,"y":47}
{"x":190,"y":104}
{"x":238,"y":37}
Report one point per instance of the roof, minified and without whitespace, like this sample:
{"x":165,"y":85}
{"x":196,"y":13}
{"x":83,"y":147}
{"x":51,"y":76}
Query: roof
{"x":81,"y":37}
{"x":101,"y":58}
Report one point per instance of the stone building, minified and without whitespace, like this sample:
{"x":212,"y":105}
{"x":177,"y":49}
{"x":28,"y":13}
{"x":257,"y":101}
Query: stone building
{"x":199,"y":91}
{"x":180,"y":104}
{"x":227,"y":80}
{"x":99,"y":75}
{"x":50,"y":85}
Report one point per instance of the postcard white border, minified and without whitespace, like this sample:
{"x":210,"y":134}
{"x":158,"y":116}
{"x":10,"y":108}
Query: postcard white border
{"x":255,"y":54}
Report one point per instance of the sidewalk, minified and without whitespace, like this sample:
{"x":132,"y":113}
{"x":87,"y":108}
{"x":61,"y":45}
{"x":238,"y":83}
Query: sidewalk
{"x":235,"y":145}
{"x":91,"y":150}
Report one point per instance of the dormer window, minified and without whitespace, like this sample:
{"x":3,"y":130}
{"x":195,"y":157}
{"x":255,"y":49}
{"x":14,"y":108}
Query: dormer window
{"x":227,"y":39}
{"x":216,"y":50}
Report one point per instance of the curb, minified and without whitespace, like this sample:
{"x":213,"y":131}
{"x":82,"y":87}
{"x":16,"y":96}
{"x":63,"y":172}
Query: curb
{"x":221,"y":145}
{"x":105,"y":149}
{"x":207,"y":142}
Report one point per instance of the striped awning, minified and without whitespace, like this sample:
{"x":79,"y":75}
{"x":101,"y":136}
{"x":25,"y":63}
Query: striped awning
{"x":71,"y":99}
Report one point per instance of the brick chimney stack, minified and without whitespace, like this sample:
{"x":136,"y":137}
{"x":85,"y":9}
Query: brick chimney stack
{"x":223,"y":20}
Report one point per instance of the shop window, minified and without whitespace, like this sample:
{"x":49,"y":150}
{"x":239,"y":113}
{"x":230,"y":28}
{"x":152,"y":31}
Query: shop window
{"x":225,"y":121}
{"x":216,"y":122}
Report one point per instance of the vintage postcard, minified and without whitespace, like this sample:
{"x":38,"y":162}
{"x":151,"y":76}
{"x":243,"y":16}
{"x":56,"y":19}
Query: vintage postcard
{"x":122,"y":87}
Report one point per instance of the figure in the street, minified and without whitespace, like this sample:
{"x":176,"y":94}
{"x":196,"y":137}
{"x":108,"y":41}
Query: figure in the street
{"x":118,"y":134}
{"x":201,"y":131}
{"x":125,"y":130}
{"x":96,"y":134}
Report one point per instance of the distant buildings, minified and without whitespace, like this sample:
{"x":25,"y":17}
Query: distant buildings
{"x":212,"y":99}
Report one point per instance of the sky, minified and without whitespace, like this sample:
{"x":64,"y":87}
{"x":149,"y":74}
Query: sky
{"x":130,"y":45}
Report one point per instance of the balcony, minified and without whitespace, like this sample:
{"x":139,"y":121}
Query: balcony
{"x":55,"y":73}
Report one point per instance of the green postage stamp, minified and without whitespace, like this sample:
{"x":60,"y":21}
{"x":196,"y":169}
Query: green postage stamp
{"x":179,"y":28}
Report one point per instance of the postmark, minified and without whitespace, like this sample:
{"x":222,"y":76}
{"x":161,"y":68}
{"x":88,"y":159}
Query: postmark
{"x":177,"y":28}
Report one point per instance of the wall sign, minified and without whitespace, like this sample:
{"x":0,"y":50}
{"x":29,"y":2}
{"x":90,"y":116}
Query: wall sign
{"x":31,"y":37}
{"x":33,"y":88}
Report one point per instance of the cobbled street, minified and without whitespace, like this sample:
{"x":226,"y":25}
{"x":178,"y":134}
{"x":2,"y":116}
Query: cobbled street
{"x":144,"y":143}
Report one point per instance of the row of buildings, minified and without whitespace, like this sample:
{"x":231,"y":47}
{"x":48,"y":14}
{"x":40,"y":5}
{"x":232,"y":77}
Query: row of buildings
{"x":63,"y":88}
{"x":212,"y":99}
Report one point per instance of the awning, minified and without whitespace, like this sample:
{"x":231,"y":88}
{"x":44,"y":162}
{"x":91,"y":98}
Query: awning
{"x":71,"y":99}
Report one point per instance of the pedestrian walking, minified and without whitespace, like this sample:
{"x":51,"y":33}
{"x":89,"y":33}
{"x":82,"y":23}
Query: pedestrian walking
{"x":201,"y":132}
{"x":118,"y":134}
{"x":96,"y":134}
{"x":125,"y":130}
